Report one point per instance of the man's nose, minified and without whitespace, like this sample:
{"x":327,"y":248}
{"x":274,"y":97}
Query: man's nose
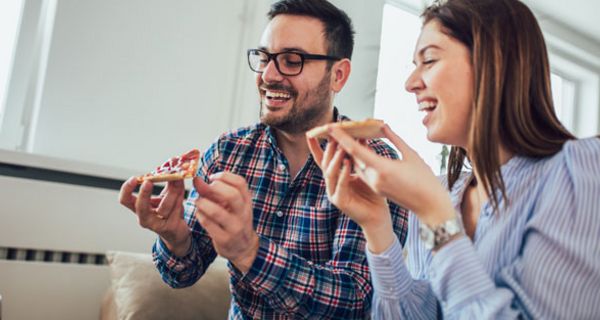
{"x":271,"y":73}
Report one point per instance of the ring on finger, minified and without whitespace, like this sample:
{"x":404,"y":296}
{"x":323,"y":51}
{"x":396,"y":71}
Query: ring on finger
{"x":361,"y":165}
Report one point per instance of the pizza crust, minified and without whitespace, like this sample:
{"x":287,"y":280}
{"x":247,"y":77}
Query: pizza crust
{"x":165,"y":177}
{"x":365,"y":129}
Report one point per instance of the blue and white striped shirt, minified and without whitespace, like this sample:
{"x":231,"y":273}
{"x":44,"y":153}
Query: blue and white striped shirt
{"x":538,"y":258}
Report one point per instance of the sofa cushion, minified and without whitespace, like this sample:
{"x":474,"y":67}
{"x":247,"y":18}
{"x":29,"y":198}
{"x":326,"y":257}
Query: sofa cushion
{"x":140,"y":293}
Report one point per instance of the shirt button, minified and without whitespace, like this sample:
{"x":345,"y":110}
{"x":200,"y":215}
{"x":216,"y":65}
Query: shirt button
{"x":279,"y":214}
{"x":281,"y":167}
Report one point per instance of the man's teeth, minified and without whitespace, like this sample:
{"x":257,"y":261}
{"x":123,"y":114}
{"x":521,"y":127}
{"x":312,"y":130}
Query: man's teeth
{"x":425,"y":105}
{"x":277,"y":95}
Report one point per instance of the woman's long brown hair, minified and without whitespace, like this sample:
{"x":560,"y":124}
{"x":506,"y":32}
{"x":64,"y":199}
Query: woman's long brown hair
{"x":512,"y":103}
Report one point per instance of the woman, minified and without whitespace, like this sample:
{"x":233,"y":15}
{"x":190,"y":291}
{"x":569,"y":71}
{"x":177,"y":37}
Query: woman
{"x":516,"y":236}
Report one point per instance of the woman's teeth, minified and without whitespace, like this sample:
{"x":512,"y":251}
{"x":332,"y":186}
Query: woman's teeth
{"x":427,"y":105}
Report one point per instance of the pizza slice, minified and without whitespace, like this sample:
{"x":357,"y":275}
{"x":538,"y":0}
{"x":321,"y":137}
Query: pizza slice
{"x":176,"y":168}
{"x":365,"y":129}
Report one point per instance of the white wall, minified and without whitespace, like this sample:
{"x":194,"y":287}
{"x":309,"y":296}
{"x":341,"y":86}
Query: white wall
{"x":131,"y":83}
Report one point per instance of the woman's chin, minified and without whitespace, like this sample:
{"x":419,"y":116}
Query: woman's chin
{"x":432,"y":135}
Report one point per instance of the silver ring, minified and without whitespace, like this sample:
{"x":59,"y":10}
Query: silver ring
{"x":361,"y":165}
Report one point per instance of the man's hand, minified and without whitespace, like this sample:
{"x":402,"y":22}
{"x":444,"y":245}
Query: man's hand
{"x":224,"y":209}
{"x":162,"y":214}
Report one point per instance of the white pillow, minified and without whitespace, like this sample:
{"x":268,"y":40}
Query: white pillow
{"x":140,"y":293}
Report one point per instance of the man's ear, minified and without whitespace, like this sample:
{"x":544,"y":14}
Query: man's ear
{"x":340,"y":71}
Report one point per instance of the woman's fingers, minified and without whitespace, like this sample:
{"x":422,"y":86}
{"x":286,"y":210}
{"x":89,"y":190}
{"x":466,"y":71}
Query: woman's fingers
{"x":315,"y":149}
{"x":344,"y":175}
{"x":332,"y":172}
{"x":362,"y":156}
{"x":329,"y":153}
{"x":403,"y":147}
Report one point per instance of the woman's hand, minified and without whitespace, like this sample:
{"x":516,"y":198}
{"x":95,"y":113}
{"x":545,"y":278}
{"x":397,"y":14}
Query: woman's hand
{"x":344,"y":188}
{"x":353,"y":196}
{"x":408,"y":182}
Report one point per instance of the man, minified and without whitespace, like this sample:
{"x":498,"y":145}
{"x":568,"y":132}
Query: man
{"x":259,"y":199}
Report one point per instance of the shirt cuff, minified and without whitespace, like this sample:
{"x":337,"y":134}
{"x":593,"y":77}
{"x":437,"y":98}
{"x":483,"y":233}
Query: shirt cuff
{"x":269,"y":268}
{"x":457,"y":276}
{"x":171,"y":261}
{"x":390,"y":276}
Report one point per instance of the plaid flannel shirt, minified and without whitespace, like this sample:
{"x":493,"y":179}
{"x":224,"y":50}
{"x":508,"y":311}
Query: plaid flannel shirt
{"x":311,"y":260}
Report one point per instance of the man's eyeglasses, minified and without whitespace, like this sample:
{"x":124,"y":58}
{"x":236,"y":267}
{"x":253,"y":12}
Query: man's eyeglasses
{"x":287,"y":63}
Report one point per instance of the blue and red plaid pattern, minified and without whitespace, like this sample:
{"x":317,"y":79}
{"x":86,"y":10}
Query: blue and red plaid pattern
{"x":311,"y":262}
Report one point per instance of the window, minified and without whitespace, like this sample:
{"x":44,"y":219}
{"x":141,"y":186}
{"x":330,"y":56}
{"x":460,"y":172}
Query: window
{"x":399,"y":34}
{"x":10,"y":17}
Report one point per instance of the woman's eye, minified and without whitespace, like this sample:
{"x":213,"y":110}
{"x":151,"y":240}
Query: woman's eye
{"x":429,"y":61}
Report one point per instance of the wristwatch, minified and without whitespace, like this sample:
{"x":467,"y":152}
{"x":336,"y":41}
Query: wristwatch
{"x":436,"y":237}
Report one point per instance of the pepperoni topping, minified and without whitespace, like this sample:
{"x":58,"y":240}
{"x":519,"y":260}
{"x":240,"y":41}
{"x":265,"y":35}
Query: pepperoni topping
{"x":178,"y":164}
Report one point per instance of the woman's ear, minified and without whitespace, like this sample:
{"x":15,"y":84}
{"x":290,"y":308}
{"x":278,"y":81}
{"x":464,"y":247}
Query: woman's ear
{"x":340,"y":71}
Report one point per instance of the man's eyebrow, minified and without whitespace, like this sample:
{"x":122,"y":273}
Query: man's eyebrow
{"x":294,"y":49}
{"x":286,"y":49}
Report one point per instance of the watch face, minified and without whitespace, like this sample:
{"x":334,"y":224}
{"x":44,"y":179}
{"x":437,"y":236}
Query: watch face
{"x":453,"y":227}
{"x":427,"y":236}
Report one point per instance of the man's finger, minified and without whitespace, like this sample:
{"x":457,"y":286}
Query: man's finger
{"x":146,"y":214}
{"x":170,"y":198}
{"x":227,"y":196}
{"x":142,"y":203}
{"x":215,"y":231}
{"x":214,"y":212}
{"x":126,"y":196}
{"x":200,"y":185}
{"x":234,"y":180}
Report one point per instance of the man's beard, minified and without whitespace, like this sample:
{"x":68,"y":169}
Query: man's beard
{"x":306,"y":112}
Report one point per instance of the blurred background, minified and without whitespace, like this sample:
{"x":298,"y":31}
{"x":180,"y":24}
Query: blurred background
{"x":128,"y":83}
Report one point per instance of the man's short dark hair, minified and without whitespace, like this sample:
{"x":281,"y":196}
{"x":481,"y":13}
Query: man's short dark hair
{"x":339,"y":32}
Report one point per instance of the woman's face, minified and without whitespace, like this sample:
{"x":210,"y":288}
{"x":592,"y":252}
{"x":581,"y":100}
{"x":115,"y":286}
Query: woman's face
{"x":443,"y":83}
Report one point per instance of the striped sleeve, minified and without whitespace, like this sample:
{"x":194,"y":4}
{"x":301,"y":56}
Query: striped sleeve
{"x":396,"y":294}
{"x":557,"y":274}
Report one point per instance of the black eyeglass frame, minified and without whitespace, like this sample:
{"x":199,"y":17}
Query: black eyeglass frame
{"x":303,"y":57}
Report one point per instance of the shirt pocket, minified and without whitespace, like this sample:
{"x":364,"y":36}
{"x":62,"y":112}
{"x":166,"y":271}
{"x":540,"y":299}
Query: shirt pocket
{"x":315,"y":229}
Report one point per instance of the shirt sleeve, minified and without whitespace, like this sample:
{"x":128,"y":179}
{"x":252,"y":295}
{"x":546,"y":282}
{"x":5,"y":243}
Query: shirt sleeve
{"x":557,"y":274}
{"x":180,"y":272}
{"x":398,"y":292}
